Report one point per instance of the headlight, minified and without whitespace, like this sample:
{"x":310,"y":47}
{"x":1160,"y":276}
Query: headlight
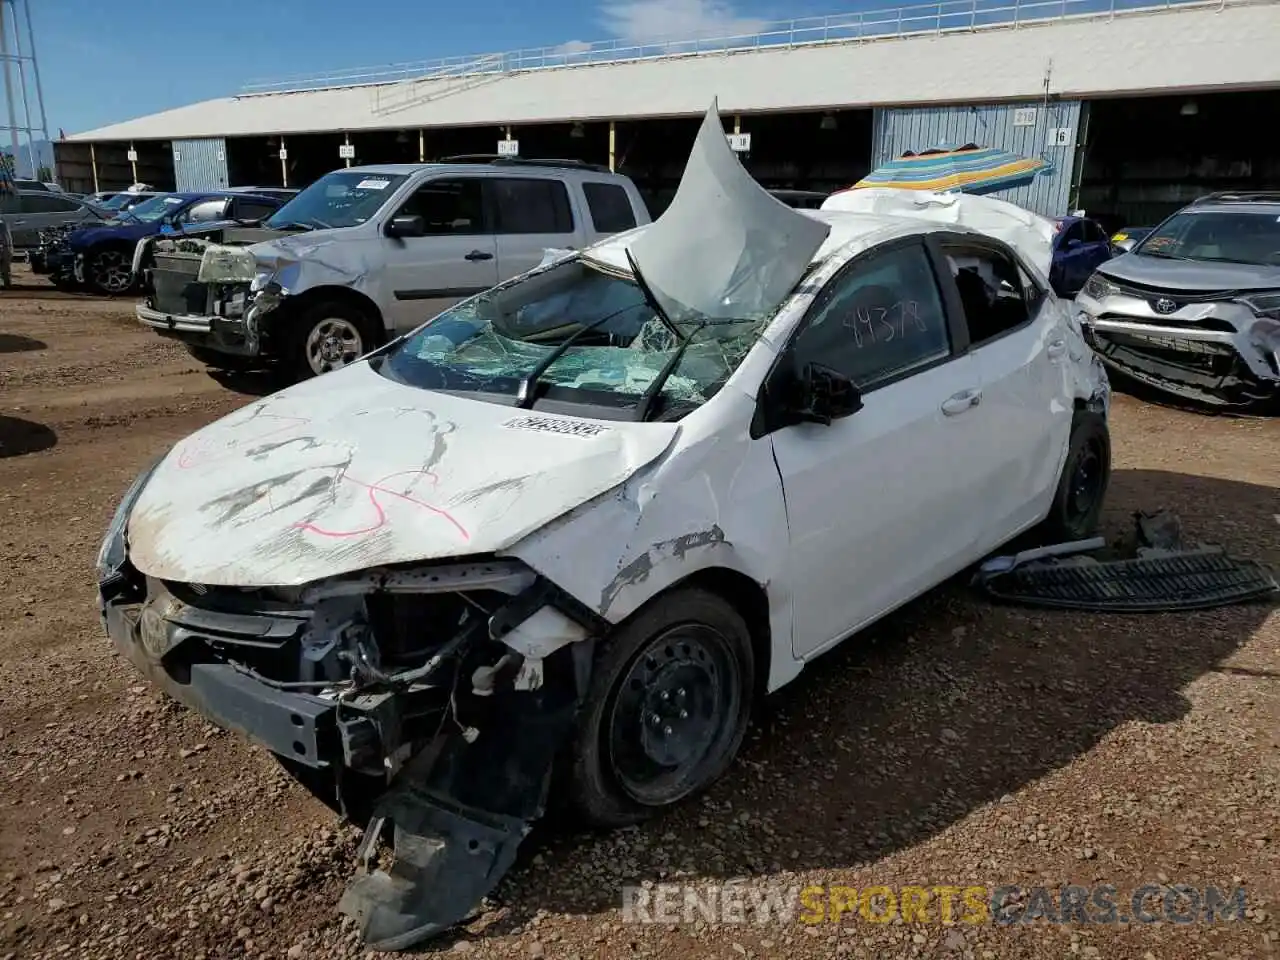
{"x":112,"y":553}
{"x":1263,"y":304}
{"x":260,"y":280}
{"x":1097,"y":287}
{"x":227,"y":265}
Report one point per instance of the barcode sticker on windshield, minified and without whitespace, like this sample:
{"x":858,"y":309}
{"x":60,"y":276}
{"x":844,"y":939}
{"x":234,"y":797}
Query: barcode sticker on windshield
{"x":569,"y":428}
{"x":372,"y":184}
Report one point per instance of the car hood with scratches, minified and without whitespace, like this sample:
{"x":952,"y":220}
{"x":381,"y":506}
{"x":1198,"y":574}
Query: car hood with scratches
{"x":353,"y":470}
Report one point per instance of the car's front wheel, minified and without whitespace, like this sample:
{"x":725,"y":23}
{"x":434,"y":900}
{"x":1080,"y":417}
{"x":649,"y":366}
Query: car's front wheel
{"x":328,"y":336}
{"x":109,"y":271}
{"x":1082,"y":485}
{"x":668,"y":707}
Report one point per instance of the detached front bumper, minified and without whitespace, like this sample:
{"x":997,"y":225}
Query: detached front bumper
{"x":1213,"y":352}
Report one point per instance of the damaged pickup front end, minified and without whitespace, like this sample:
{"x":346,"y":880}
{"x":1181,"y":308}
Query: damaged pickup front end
{"x":426,"y":700}
{"x":208,"y":289}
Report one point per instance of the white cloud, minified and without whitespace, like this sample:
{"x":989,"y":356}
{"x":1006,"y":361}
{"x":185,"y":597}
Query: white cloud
{"x":643,"y":21}
{"x":573,"y":46}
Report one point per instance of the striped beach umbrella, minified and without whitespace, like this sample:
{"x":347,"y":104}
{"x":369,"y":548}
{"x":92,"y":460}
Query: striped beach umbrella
{"x":967,"y":169}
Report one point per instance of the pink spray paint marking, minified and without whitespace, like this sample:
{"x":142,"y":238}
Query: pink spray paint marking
{"x":380,"y":513}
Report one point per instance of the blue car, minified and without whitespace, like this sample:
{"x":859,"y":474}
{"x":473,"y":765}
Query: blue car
{"x":1079,"y":248}
{"x":100,"y":257}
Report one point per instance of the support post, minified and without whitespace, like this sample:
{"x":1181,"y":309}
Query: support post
{"x":284,"y":164}
{"x":346,"y":139}
{"x":93,"y":165}
{"x":133,"y":162}
{"x":613,"y":146}
{"x":422,"y":146}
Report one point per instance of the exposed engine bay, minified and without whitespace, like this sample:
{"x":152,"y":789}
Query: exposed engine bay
{"x":428,"y":703}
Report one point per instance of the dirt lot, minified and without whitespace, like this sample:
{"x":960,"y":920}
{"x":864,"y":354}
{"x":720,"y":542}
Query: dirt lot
{"x":959,"y":745}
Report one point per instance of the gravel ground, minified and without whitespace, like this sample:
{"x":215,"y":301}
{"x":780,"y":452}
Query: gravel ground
{"x":958,"y":744}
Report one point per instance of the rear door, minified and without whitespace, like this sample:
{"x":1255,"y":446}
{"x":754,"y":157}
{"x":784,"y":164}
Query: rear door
{"x":529,"y":214}
{"x":1012,"y":328}
{"x":456,"y":257}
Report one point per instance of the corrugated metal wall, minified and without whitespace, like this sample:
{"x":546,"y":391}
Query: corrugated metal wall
{"x":1027,"y":129}
{"x":200,"y":164}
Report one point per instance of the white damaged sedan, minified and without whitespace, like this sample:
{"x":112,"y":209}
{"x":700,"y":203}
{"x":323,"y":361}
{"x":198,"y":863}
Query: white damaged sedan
{"x":571,"y":529}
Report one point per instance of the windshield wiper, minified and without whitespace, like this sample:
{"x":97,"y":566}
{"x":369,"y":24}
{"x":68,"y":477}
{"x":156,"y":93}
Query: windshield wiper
{"x":529,"y":389}
{"x":1161,"y":256}
{"x":294,"y":225}
{"x":651,"y":299}
{"x":653,"y":392}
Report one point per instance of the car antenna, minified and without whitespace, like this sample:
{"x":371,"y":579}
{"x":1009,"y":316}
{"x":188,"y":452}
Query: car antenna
{"x":654,"y":390}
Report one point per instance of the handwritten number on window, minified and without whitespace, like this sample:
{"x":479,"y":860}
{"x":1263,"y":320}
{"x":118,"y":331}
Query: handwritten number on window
{"x":871,"y":325}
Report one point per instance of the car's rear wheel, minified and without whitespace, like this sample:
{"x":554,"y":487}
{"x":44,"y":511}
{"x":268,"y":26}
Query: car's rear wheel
{"x":1083,"y":483}
{"x":109,"y":271}
{"x":328,"y":336}
{"x":668,"y":707}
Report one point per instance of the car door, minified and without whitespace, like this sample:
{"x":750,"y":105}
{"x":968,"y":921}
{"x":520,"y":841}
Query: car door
{"x":1012,"y":327}
{"x":455,"y":257}
{"x":530,"y":214}
{"x":1072,"y":259}
{"x":882,"y":504}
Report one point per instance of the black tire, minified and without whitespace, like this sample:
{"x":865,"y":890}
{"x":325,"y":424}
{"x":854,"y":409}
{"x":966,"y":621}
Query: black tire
{"x":352,"y":333}
{"x":222,"y":361}
{"x":1082,"y":486}
{"x":694,"y":646}
{"x":108,"y":271}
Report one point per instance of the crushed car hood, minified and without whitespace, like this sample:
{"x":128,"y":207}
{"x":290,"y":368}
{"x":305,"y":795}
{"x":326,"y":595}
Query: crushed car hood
{"x":1191,"y":274}
{"x":352,"y":470}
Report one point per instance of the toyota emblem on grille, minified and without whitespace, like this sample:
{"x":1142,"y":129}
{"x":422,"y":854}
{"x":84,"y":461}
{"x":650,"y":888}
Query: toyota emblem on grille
{"x":1165,"y":305}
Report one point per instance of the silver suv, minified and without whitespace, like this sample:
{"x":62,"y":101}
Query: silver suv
{"x":1194,"y":308}
{"x":28,"y":212}
{"x":367,"y":253}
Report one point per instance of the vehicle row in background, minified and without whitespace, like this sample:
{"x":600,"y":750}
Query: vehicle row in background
{"x":367,"y":253}
{"x":100,"y":256}
{"x":28,"y":212}
{"x":1193,"y":309}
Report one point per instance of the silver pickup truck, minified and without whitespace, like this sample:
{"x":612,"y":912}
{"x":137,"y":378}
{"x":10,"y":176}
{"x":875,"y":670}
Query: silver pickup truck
{"x":368,"y":253}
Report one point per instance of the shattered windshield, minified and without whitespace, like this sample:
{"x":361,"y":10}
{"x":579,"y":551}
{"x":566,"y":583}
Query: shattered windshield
{"x":149,"y":211}
{"x":1229,"y":237}
{"x":344,"y":198}
{"x":585,"y":333}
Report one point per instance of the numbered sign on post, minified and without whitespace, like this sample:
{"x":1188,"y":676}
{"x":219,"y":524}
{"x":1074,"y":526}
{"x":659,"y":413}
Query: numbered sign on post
{"x":132,"y":155}
{"x":740,"y":142}
{"x":284,"y":154}
{"x":346,"y":151}
{"x":508,"y":148}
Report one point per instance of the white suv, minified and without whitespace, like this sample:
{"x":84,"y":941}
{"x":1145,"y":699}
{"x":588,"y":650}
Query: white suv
{"x":367,"y":253}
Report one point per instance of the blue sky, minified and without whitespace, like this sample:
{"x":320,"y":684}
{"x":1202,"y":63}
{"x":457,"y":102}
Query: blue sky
{"x":105,"y":62}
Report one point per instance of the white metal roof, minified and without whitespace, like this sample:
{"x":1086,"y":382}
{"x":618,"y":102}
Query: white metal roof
{"x":1226,"y":44}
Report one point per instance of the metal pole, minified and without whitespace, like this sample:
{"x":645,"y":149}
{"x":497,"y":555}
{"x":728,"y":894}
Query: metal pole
{"x":284,"y":164}
{"x":35,"y":70}
{"x":93,"y":162}
{"x":22,"y":90}
{"x":347,"y":140}
{"x":133,"y":161}
{"x":422,"y":146}
{"x":613,"y":145}
{"x":737,"y":124}
{"x":8,"y":84}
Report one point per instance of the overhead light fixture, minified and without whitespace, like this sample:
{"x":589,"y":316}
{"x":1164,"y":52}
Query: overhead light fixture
{"x":1190,"y":108}
{"x":577,"y":132}
{"x":828,"y":122}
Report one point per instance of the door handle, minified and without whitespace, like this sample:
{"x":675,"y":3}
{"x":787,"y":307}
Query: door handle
{"x":1056,"y":350}
{"x":960,"y":402}
{"x":478,"y":255}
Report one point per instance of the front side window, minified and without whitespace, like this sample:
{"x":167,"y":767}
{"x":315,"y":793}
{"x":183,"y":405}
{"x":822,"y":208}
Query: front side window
{"x":992,"y":289}
{"x":528,"y":205}
{"x":1227,"y":236}
{"x":448,"y":207}
{"x":343,"y":198}
{"x":879,"y":319}
{"x":610,"y":207}
{"x":605,"y":346}
{"x":1094,"y":233}
{"x":1074,"y":231}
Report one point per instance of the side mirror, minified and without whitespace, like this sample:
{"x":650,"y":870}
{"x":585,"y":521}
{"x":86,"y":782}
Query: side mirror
{"x":409,"y":226}
{"x":823,"y":395}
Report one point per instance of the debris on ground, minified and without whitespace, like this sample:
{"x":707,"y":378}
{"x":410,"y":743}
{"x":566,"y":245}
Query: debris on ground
{"x":1163,"y":574}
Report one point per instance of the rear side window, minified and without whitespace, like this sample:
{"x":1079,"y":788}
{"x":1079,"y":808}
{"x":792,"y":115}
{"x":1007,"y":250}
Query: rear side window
{"x":48,"y":203}
{"x":448,"y":207}
{"x":995,"y":293}
{"x":610,"y":207}
{"x":530,"y":206}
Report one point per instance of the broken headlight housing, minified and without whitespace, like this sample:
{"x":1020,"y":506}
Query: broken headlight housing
{"x":1266,"y":304}
{"x":1097,"y":287}
{"x":227,"y":265}
{"x":114,"y":549}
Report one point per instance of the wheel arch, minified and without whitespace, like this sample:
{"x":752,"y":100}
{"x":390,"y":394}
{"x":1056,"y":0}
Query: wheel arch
{"x":328,"y":293}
